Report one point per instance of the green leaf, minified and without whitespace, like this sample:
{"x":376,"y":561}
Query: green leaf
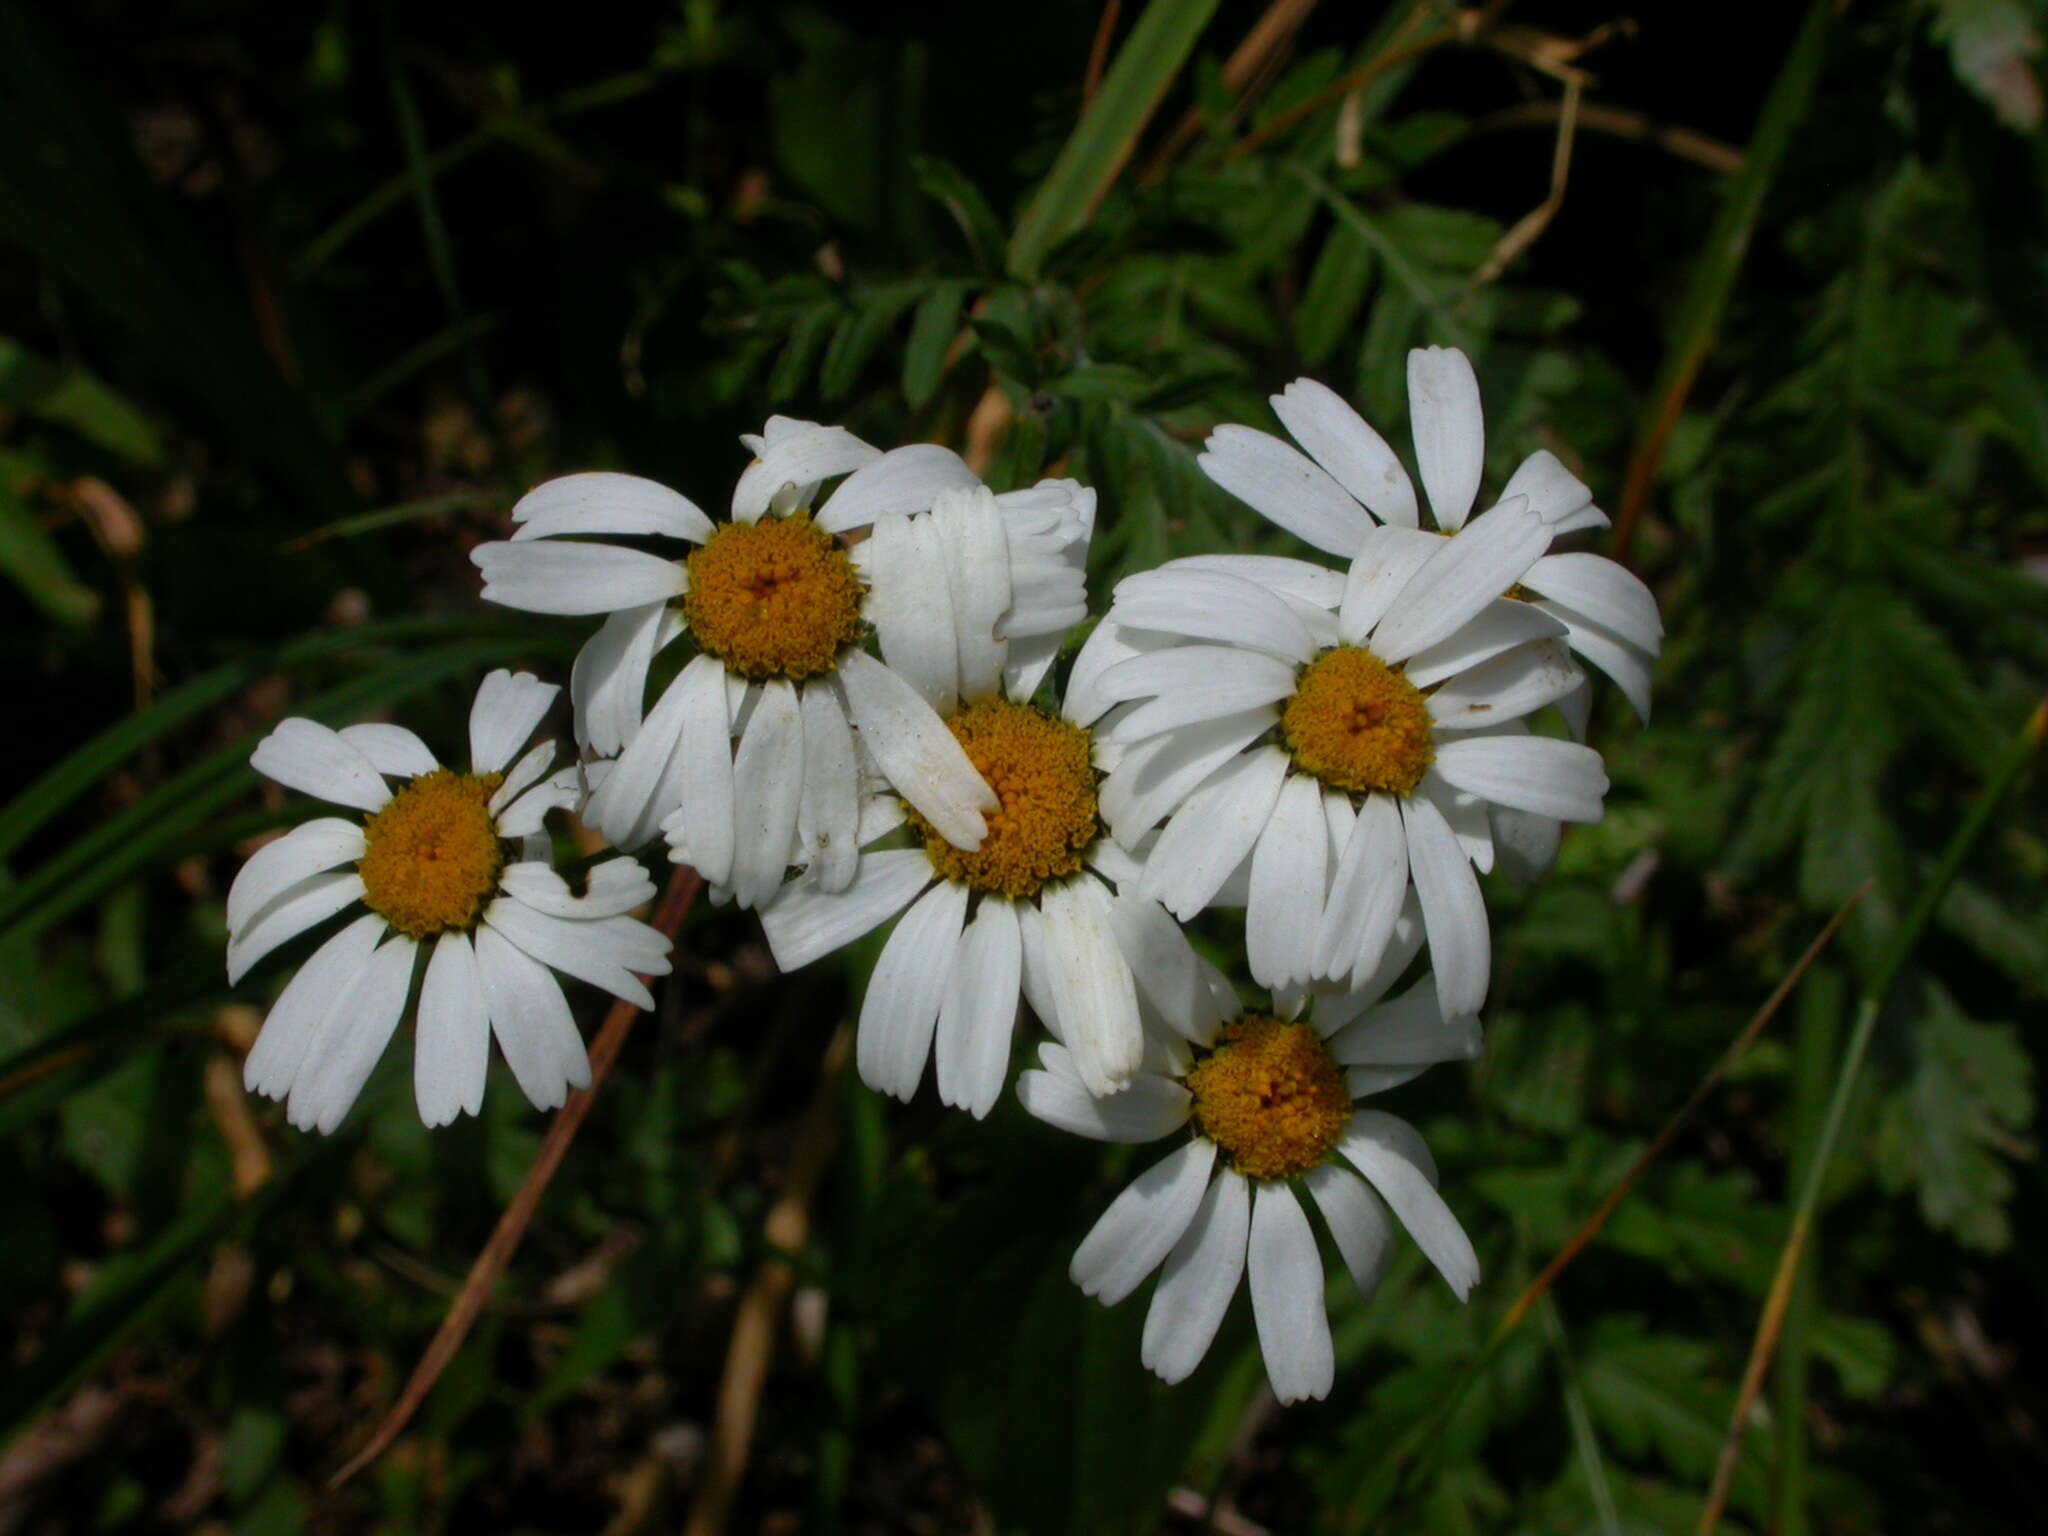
{"x":1948,"y":1134}
{"x":806,"y":336}
{"x":932,"y":330}
{"x":118,"y":847}
{"x":942,"y":182}
{"x":57,"y":788}
{"x":34,"y":562}
{"x":1131,"y":90}
{"x":75,"y":399}
{"x":859,"y":333}
{"x":1336,"y":289}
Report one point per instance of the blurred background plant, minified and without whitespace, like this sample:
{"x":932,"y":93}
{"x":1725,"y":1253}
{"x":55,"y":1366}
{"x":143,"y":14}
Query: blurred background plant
{"x":295,"y":300}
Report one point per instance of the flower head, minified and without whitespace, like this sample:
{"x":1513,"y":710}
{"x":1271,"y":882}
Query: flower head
{"x":751,"y":759}
{"x":451,"y":871}
{"x":1266,"y":1102}
{"x":1044,"y":909}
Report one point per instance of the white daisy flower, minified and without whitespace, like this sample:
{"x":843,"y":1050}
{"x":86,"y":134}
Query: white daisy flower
{"x":1044,"y":908}
{"x":1270,"y":1102}
{"x":1315,"y":739}
{"x":1350,"y":481}
{"x":777,"y":607}
{"x":452,"y":871}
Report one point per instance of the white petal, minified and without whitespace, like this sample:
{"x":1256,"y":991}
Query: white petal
{"x":602,"y":951}
{"x":452,"y":1037}
{"x":700,"y":832}
{"x":906,"y":990}
{"x":1464,"y":575}
{"x":1449,"y":428}
{"x":532,"y":1021}
{"x":548,"y":576}
{"x":1506,"y":688}
{"x":609,"y":677}
{"x":522,"y":775}
{"x":1390,"y":1153}
{"x":768,"y":781}
{"x":638,"y":792}
{"x":1213,"y":832}
{"x":1554,"y":492}
{"x":1358,"y":1221}
{"x":916,"y":753}
{"x":1453,"y":911}
{"x":1304,"y":584}
{"x":1142,"y":1224}
{"x":1092,"y":988}
{"x":1464,"y":813}
{"x":1286,"y":1276}
{"x":1627,"y":666}
{"x":355,"y":1038}
{"x":290,"y":913}
{"x":1356,"y":456}
{"x":1388,"y":559}
{"x":392,"y":749}
{"x":1208,"y":605}
{"x":562,"y":790}
{"x":297,"y":1017}
{"x":1211,"y":677}
{"x":910,"y":603}
{"x":1290,"y":869}
{"x":901,"y":481}
{"x":1200,"y":1277}
{"x":977,"y":566}
{"x":1286,"y":487}
{"x":1107,"y":644}
{"x":1499,"y":627}
{"x":828,"y":819}
{"x":508,"y":706}
{"x":305,"y":755}
{"x":794,"y":459}
{"x":1527,"y":773}
{"x":1154,"y":776}
{"x":972,"y":1054}
{"x":282,"y":863}
{"x":1228,"y":698}
{"x":1406,"y":1031}
{"x":1149,"y":1108}
{"x":611,"y":889}
{"x":599,"y":502}
{"x":1608,"y":594}
{"x":1366,"y":893}
{"x":804,"y":922}
{"x":1188,"y":992}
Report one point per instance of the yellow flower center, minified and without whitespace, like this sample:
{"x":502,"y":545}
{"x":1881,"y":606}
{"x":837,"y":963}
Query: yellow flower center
{"x":777,"y":598}
{"x":1044,"y":783}
{"x":1271,"y":1097}
{"x":433,"y":857}
{"x":1357,"y":724}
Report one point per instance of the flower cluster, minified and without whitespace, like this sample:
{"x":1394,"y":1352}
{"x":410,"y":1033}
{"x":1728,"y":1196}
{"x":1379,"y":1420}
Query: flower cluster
{"x":863,"y":735}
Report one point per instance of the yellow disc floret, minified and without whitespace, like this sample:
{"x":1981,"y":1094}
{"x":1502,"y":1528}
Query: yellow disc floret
{"x":1044,"y":783}
{"x":1270,"y":1097}
{"x":1357,"y":724}
{"x":433,"y":854}
{"x":777,"y":598}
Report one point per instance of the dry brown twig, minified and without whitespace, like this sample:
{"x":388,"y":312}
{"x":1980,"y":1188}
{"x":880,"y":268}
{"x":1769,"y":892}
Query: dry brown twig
{"x":483,"y":1275}
{"x":1250,"y":67}
{"x":1098,"y":54}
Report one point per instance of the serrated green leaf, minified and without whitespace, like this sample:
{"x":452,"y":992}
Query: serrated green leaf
{"x":1948,"y":1133}
{"x":32,"y":560}
{"x":1336,"y":289}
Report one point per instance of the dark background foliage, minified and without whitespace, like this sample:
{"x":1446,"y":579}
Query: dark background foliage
{"x":295,"y":299}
